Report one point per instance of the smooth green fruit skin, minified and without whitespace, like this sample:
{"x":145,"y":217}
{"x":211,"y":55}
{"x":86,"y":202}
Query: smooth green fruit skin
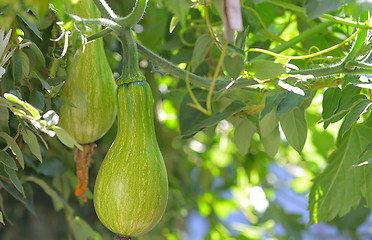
{"x":131,"y":189}
{"x":90,"y":87}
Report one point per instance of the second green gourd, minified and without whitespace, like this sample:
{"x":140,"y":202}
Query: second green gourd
{"x":131,"y":190}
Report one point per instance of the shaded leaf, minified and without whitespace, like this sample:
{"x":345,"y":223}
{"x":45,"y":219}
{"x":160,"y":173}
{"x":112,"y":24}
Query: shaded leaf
{"x":30,"y":138}
{"x":233,"y":64}
{"x":315,"y":8}
{"x":14,"y":147}
{"x":200,"y":51}
{"x":25,"y":201}
{"x":37,"y":99}
{"x":292,"y":101}
{"x":58,"y":201}
{"x":355,"y":113}
{"x":331,"y":98}
{"x":38,"y":53}
{"x":271,"y":101}
{"x":294,"y":126}
{"x":66,"y":138}
{"x":17,"y":65}
{"x":7,"y":160}
{"x":31,"y":25}
{"x":25,"y":63}
{"x":15,"y":180}
{"x":82,"y":230}
{"x":194,"y":127}
{"x":53,"y":167}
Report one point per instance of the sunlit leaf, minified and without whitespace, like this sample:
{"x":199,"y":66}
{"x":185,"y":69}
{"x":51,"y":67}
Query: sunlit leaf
{"x":345,"y":180}
{"x":243,"y":134}
{"x":294,"y":126}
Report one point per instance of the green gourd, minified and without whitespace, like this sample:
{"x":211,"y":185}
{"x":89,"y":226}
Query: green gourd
{"x":131,"y":188}
{"x":90,"y":87}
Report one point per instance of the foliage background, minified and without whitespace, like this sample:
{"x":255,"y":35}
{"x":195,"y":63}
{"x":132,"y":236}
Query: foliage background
{"x":239,"y":178}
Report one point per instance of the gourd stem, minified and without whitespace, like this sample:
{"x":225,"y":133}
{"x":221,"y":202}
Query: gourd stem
{"x":130,"y":67}
{"x":121,"y":237}
{"x":135,"y":16}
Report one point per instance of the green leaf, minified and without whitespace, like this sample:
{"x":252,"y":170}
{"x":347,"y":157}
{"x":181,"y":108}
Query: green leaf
{"x":58,"y":201}
{"x":15,"y":180}
{"x":269,"y":133}
{"x":25,"y":201}
{"x":294,"y":126}
{"x":14,"y":147}
{"x":37,"y":99}
{"x":40,"y":7}
{"x":30,"y":138}
{"x":38,"y":53}
{"x":179,"y":8}
{"x":271,"y":142}
{"x":268,"y":123}
{"x":82,"y":230}
{"x":355,"y":113}
{"x":243,"y":133}
{"x":31,"y":25}
{"x":346,"y":179}
{"x":264,"y":69}
{"x":52,"y":167}
{"x":66,"y":138}
{"x":366,"y":150}
{"x":25,"y":63}
{"x":17,"y":65}
{"x":271,"y":101}
{"x":292,"y":101}
{"x":195,"y":125}
{"x":331,"y":99}
{"x":233,"y":64}
{"x":7,"y":160}
{"x":200,"y":51}
{"x":315,"y":8}
{"x":42,"y":81}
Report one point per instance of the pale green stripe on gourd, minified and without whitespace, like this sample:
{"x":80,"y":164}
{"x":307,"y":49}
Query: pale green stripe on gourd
{"x":90,"y":87}
{"x":131,"y":189}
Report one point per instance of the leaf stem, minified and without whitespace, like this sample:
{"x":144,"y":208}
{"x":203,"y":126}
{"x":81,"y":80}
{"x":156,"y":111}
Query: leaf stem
{"x":210,"y":26}
{"x":198,"y":81}
{"x":105,"y":9}
{"x":13,"y":141}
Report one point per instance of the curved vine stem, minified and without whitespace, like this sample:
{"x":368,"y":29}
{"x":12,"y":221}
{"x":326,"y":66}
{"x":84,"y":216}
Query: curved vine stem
{"x":135,"y":16}
{"x":210,"y":26}
{"x":309,"y":55}
{"x":198,"y":81}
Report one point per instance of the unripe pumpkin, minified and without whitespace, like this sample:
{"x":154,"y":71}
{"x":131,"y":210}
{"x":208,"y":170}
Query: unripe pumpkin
{"x":131,"y":188}
{"x":90,"y":87}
